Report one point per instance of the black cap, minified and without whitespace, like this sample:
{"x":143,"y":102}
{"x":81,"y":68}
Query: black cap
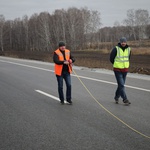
{"x":61,"y":43}
{"x":123,"y":39}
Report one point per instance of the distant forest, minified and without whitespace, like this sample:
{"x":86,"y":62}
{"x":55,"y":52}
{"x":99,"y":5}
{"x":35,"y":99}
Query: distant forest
{"x":81,"y":29}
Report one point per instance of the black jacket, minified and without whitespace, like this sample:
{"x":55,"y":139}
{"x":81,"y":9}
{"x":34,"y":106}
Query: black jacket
{"x":114,"y":52}
{"x":57,"y":61}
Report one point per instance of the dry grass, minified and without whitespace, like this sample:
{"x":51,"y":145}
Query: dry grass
{"x":135,"y":51}
{"x":141,"y":51}
{"x":138,"y":47}
{"x":97,"y":59}
{"x":140,"y":58}
{"x":142,"y":43}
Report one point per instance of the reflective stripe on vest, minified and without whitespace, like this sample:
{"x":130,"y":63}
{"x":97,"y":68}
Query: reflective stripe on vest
{"x":122,"y":58}
{"x":58,"y":68}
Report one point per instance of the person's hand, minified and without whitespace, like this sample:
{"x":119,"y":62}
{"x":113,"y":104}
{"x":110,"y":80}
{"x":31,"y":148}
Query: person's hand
{"x":66,"y":62}
{"x":70,"y":61}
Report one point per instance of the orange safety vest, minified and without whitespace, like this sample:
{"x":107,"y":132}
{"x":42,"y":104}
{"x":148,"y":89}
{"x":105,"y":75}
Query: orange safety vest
{"x":58,"y":68}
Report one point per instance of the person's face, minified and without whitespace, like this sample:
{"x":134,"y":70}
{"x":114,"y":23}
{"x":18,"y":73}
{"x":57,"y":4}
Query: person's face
{"x":62,"y":48}
{"x":123,"y":44}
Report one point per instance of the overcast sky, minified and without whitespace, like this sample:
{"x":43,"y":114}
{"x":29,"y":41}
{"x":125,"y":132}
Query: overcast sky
{"x":110,"y":10}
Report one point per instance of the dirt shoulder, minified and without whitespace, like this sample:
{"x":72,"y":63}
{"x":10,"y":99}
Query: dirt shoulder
{"x":138,"y":63}
{"x":92,"y":59}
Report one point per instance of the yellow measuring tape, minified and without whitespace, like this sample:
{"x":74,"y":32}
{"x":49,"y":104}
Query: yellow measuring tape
{"x":109,"y":111}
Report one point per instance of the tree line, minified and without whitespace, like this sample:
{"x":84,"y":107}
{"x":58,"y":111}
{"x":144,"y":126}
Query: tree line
{"x":79,"y":28}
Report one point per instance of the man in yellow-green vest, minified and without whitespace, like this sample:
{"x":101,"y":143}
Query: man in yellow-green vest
{"x":119,"y":57}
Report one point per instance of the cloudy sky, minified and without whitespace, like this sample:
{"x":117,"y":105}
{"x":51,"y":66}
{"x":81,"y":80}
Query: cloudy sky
{"x":110,"y":10}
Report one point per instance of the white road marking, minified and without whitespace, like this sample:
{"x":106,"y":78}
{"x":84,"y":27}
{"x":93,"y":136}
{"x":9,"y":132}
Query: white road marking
{"x":132,"y":87}
{"x":48,"y":95}
{"x":103,"y":81}
{"x":27,"y":66}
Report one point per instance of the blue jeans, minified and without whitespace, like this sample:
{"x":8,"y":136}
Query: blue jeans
{"x":121,"y":78}
{"x":66,"y":76}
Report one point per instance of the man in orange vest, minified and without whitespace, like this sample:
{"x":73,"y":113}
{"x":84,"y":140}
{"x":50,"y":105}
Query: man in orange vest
{"x":63,"y":67}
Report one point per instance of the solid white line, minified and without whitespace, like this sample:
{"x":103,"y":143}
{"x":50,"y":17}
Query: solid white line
{"x":48,"y":95}
{"x":137,"y":88}
{"x":132,"y":87}
{"x":103,"y":81}
{"x":27,"y":66}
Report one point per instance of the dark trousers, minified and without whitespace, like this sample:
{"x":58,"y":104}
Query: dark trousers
{"x":121,"y":78}
{"x":66,"y":76}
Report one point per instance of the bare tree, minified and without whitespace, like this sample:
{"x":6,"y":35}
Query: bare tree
{"x":73,"y":26}
{"x":26,"y":32}
{"x":116,"y":30}
{"x":79,"y":28}
{"x":2,"y":21}
{"x":18,"y":36}
{"x":130,"y":23}
{"x":95,"y":26}
{"x":137,"y":19}
{"x":44,"y":31}
{"x":7,"y":35}
{"x":148,"y":31}
{"x":58,"y":26}
{"x":142,"y":19}
{"x":34,"y":41}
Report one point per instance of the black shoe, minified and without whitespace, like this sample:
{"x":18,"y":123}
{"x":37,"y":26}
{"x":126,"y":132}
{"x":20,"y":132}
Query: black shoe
{"x":126,"y":101}
{"x":69,"y":101}
{"x":62,"y":102}
{"x":116,"y":100}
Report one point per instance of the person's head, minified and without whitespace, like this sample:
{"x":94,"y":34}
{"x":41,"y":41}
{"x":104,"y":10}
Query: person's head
{"x":123,"y":41}
{"x":62,"y":45}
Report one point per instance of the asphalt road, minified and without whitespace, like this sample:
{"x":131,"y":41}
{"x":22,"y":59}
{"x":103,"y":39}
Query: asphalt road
{"x":31,"y":117}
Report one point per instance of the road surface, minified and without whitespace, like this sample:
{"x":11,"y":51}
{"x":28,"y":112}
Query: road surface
{"x":31,"y":117}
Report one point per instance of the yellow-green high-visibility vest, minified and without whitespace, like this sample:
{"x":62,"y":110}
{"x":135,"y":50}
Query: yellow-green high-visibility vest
{"x":122,"y":58}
